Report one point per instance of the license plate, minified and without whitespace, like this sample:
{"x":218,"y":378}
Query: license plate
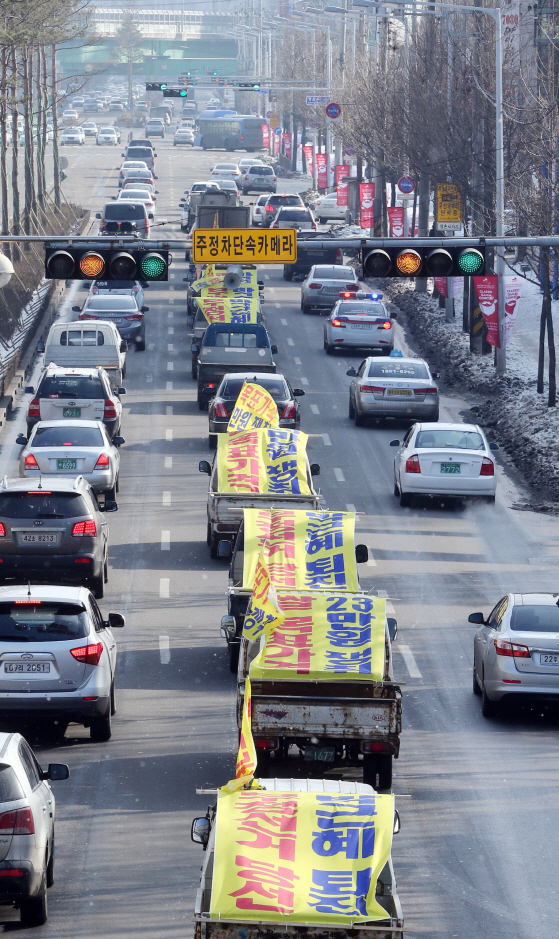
{"x":66,"y":464}
{"x":399,"y":391}
{"x":117,"y":322}
{"x":35,"y":537}
{"x":27,"y":667}
{"x":325,"y":754}
{"x":548,"y":658}
{"x":71,"y":412}
{"x":450,"y":467}
{"x":361,"y":326}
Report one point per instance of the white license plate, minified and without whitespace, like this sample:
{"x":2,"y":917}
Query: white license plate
{"x":406,"y":392}
{"x":35,"y":537}
{"x":27,"y":667}
{"x":117,"y":322}
{"x":361,"y":326}
{"x":549,"y":658}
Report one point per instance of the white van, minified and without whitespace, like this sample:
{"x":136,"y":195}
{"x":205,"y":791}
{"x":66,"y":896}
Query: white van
{"x":86,"y":343}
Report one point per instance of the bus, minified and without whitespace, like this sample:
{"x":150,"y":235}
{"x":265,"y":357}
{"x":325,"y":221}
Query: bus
{"x":229,"y":132}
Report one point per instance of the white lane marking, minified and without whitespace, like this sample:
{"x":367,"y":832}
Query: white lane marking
{"x":164,"y":651}
{"x":350,"y":507}
{"x":171,"y":287}
{"x":304,"y":381}
{"x":151,"y":346}
{"x":164,"y":588}
{"x":168,"y":464}
{"x":169,"y":366}
{"x":297,"y":360}
{"x":172,"y":276}
{"x":278,"y":306}
{"x":339,"y":475}
{"x":169,"y":434}
{"x":283,"y":322}
{"x":266,"y":277}
{"x":327,"y":441}
{"x":166,"y":499}
{"x":170,"y":331}
{"x":170,"y":347}
{"x":170,"y":300}
{"x":371,"y":562}
{"x":290,"y":342}
{"x":168,"y":409}
{"x":149,"y":379}
{"x":165,"y":540}
{"x":409,"y":659}
{"x":170,"y":315}
{"x":169,"y":386}
{"x":314,"y":409}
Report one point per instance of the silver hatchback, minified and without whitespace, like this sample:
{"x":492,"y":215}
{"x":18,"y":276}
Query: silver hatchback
{"x":321,"y":287}
{"x":393,"y":387}
{"x":516,"y":651}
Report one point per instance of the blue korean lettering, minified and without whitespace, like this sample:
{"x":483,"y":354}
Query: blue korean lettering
{"x":344,"y":662}
{"x":326,"y":572}
{"x":335,"y":892}
{"x":283,"y":477}
{"x":281,"y":443}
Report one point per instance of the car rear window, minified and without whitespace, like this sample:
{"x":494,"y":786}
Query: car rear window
{"x":334,"y":273}
{"x":236,"y":340}
{"x":275,"y":386}
{"x":261,"y":171}
{"x":394,"y":369}
{"x":10,"y":788}
{"x":365,"y":309}
{"x":129,"y":212}
{"x":68,"y":436}
{"x":139,"y":153}
{"x":118,"y":302}
{"x":43,"y":504}
{"x":82,"y":337}
{"x":68,"y":386}
{"x":533,"y":618}
{"x":292,"y":215}
{"x":285,"y":200}
{"x":449,"y":439}
{"x":141,"y":143}
{"x":42,"y":622}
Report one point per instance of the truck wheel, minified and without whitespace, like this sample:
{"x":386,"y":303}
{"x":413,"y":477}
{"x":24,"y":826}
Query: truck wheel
{"x":208,"y":534}
{"x":195,"y":367}
{"x":287,"y":272}
{"x":233,"y":653}
{"x":377,"y":770}
{"x":212,"y":441}
{"x":213,"y":547}
{"x":201,"y":404}
{"x":263,"y":763}
{"x":405,"y":498}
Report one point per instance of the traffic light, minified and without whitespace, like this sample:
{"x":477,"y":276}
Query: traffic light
{"x":451,"y":261}
{"x":170,"y":92}
{"x":65,"y":262}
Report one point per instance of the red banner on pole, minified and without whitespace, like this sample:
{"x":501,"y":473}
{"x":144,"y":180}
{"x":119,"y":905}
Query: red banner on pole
{"x":396,"y":220}
{"x":341,"y":183}
{"x":488,"y":298}
{"x":307,"y":150}
{"x":287,"y":144}
{"x":265,"y":135}
{"x":441,"y":283}
{"x":322,"y":170}
{"x":367,"y":197}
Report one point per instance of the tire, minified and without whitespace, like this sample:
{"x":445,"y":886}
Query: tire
{"x":50,"y":866}
{"x":213,"y":547}
{"x":29,"y":429}
{"x":97,"y":587}
{"x":101,"y":729}
{"x":490,"y":500}
{"x":329,"y":349}
{"x":212,"y":441}
{"x":106,"y":571}
{"x":396,"y":488}
{"x":475,"y":684}
{"x":321,"y":220}
{"x":208,"y":534}
{"x":111,"y":494}
{"x":405,"y":498}
{"x":377,"y":770}
{"x":306,"y":309}
{"x":386,"y":351}
{"x":287,"y":272}
{"x":113,"y":699}
{"x":488,"y":707}
{"x":245,"y":192}
{"x":436,"y":417}
{"x":194,"y":367}
{"x":141,"y":346}
{"x":201,"y":404}
{"x":351,"y":409}
{"x":34,"y":910}
{"x":118,"y":483}
{"x":359,"y":419}
{"x":233,"y":649}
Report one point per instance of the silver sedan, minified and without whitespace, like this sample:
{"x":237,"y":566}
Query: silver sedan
{"x":321,"y":287}
{"x":393,"y":387}
{"x":73,"y":448}
{"x":516,"y":651}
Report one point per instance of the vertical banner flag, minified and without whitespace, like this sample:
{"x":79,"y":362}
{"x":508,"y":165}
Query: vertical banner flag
{"x":263,"y":612}
{"x":441,"y":283}
{"x":341,"y":183}
{"x":276,"y":143}
{"x":396,"y":219}
{"x":367,"y":196}
{"x":270,"y":459}
{"x":287,"y":144}
{"x":322,"y":170}
{"x":512,"y":290}
{"x":487,"y":293}
{"x":254,"y":407}
{"x":307,"y":150}
{"x":265,"y":136}
{"x":246,"y":757}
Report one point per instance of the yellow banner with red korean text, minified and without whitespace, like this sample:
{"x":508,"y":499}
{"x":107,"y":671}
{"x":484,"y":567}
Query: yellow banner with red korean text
{"x":264,"y":460}
{"x":214,"y":276}
{"x":254,"y":408}
{"x":264,"y":611}
{"x":303,"y":550}
{"x":303,"y":857}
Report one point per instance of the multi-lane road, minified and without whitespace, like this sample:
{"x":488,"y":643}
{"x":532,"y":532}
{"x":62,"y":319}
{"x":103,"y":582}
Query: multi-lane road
{"x":478,"y":799}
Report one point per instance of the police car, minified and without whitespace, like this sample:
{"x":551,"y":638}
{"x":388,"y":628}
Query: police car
{"x":361,"y":321}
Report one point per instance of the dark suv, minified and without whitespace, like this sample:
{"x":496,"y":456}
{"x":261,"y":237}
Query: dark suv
{"x":52,"y":530}
{"x":124,"y":217}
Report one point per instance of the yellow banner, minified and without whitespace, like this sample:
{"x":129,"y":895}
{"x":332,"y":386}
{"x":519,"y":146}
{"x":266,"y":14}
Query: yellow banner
{"x":303,"y":550}
{"x":324,"y":636}
{"x":264,"y":611}
{"x":266,"y":460}
{"x":232,"y":308}
{"x":212,"y":277}
{"x":246,"y":757}
{"x":254,"y":408}
{"x":244,"y":245}
{"x":300,"y":856}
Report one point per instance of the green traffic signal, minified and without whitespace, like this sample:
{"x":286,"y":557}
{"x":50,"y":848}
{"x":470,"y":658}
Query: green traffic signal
{"x":183,"y":94}
{"x":450,"y":261}
{"x":471,"y":261}
{"x":256,"y":87}
{"x":163,"y":87}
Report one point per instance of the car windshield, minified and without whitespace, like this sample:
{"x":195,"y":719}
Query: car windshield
{"x":365,"y":309}
{"x":128,"y":213}
{"x":68,"y":435}
{"x":533,"y":618}
{"x":225,"y":166}
{"x":134,"y":165}
{"x":294,"y":215}
{"x":334,"y":273}
{"x":118,"y":302}
{"x":275,"y":386}
{"x":449,"y":439}
{"x":394,"y":369}
{"x":69,"y":386}
{"x":42,"y":621}
{"x":285,"y":200}
{"x":42,"y":504}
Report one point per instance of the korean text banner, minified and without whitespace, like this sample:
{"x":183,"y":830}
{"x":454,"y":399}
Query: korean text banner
{"x":233,"y":307}
{"x":246,"y":757}
{"x":264,"y":612}
{"x":304,"y":857}
{"x":254,"y":407}
{"x":239,"y":245}
{"x":325,"y":636}
{"x":267,"y":460}
{"x":303,"y":550}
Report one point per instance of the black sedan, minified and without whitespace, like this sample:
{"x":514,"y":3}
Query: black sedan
{"x":221,"y":407}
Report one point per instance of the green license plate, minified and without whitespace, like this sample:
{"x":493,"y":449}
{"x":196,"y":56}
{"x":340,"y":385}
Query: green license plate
{"x":71,"y":412}
{"x":326,"y":754}
{"x":450,"y":467}
{"x":66,"y":464}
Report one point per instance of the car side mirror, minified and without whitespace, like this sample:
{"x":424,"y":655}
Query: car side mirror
{"x":392,"y":627}
{"x":40,"y":346}
{"x":150,"y":214}
{"x":116,"y":620}
{"x":190,"y":321}
{"x":118,"y":441}
{"x":122,"y":154}
{"x":121,"y":391}
{"x":114,"y":198}
{"x":397,"y":824}
{"x":109,"y":506}
{"x":224,"y":550}
{"x":157,"y":192}
{"x":298,"y":392}
{"x":200,"y":831}
{"x":394,"y":443}
{"x":228,"y":627}
{"x":478,"y":619}
{"x":29,"y":390}
{"x":274,"y":350}
{"x":361,"y":553}
{"x":494,"y":446}
{"x":315,"y":469}
{"x":56,"y":771}
{"x":351,"y":372}
{"x":145,"y":309}
{"x":123,"y":346}
{"x":435,"y":374}
{"x":21,"y":439}
{"x":393,"y":316}
{"x":204,"y":467}
{"x":194,"y":347}
{"x":192,"y":268}
{"x":76,"y":309}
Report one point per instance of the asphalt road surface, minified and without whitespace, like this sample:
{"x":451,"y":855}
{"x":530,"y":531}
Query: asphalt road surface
{"x":478,"y":799}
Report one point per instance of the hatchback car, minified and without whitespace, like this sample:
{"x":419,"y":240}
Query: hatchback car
{"x":75,"y":393}
{"x":322,"y":285}
{"x":395,"y":387}
{"x":53,"y":529}
{"x":121,"y":310}
{"x":222,"y":406}
{"x":155,"y":127}
{"x":107,"y":136}
{"x":183,"y":135}
{"x":259,"y":178}
{"x":72,"y":448}
{"x":296,"y":217}
{"x":27,"y":808}
{"x":227,"y":171}
{"x":454,"y":461}
{"x":359,"y":324}
{"x":516,"y":651}
{"x":274,"y":202}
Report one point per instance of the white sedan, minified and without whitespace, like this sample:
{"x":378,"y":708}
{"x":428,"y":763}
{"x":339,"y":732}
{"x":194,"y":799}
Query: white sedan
{"x":454,"y":461}
{"x":129,"y":194}
{"x":227,"y":171}
{"x":107,"y":135}
{"x":327,"y":208}
{"x":72,"y":135}
{"x":258,"y":209}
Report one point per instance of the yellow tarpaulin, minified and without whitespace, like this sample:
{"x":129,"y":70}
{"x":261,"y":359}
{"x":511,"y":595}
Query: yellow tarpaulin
{"x":324,"y":636}
{"x":300,"y":856}
{"x":246,"y":757}
{"x":234,"y":307}
{"x":269,"y":460}
{"x":264,"y":611}
{"x":254,"y":408}
{"x":303,"y":550}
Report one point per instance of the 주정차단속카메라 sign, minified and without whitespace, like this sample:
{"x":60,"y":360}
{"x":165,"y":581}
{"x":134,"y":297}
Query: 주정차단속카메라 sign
{"x":244,"y":245}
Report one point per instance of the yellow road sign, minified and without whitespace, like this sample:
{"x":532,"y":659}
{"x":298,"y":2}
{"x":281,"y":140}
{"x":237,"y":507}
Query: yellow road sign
{"x":449,"y":203}
{"x":274,"y":120}
{"x":244,"y":245}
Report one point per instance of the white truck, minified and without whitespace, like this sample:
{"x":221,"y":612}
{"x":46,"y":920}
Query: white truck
{"x":86,"y":343}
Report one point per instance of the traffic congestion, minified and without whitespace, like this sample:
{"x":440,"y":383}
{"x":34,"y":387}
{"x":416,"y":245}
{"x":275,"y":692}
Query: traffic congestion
{"x":248,"y":538}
